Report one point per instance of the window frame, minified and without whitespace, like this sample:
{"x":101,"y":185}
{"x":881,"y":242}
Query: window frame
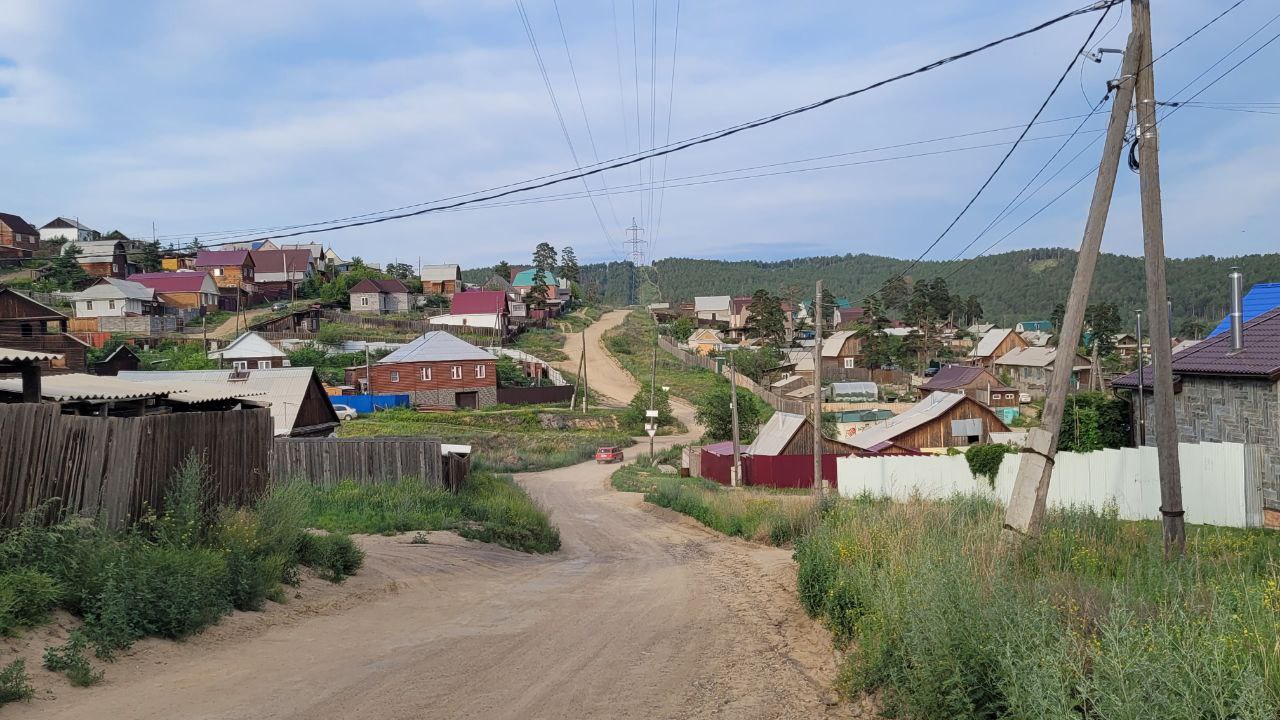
{"x":395,"y":376}
{"x":425,"y":374}
{"x":240,"y":365}
{"x":456,"y":372}
{"x":480,"y":372}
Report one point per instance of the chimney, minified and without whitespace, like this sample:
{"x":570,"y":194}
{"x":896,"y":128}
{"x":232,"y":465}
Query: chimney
{"x":1237,"y":310}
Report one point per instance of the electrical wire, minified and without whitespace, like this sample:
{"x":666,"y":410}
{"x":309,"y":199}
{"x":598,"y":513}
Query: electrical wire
{"x":662,"y":187}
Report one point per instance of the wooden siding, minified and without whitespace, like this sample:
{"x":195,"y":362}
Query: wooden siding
{"x":802,"y":444}
{"x":1011,"y":341}
{"x":27,"y":243}
{"x":187,"y":300}
{"x":115,"y":468}
{"x":233,"y":276}
{"x":410,"y":374}
{"x":316,"y":416}
{"x":364,"y":461}
{"x":937,"y":432}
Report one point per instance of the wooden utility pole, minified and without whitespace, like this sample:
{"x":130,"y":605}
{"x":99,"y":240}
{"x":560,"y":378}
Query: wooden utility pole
{"x":653,"y":389}
{"x":1025,"y":512}
{"x":1166,"y":427}
{"x":586,"y":389}
{"x":736,"y":478}
{"x":819,"y":486}
{"x":1142,"y":388}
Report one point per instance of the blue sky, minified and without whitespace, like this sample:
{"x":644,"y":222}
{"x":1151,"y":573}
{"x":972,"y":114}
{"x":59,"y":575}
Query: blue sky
{"x":210,"y":116}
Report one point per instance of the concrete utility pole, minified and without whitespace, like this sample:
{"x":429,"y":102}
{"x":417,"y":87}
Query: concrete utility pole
{"x":819,"y":486}
{"x":733,"y":410}
{"x":1025,"y":512}
{"x":1166,"y":426}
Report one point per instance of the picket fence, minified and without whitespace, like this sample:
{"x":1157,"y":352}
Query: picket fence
{"x":1221,"y":482}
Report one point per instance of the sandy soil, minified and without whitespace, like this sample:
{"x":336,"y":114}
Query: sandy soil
{"x":642,"y":614}
{"x":227,"y":329}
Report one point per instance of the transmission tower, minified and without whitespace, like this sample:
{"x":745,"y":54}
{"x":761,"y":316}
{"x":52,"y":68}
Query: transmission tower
{"x":636,"y":243}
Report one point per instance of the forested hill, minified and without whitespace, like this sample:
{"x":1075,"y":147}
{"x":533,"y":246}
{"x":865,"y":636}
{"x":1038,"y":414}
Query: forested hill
{"x":1012,"y":286}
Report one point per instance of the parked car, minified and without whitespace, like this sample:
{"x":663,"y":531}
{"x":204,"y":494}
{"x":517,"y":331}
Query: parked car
{"x":608,"y":455}
{"x":345,"y":412}
{"x":931,"y":371}
{"x":280,"y":306}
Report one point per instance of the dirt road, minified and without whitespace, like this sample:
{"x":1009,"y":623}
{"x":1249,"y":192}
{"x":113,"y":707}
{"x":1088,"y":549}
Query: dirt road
{"x":228,"y":330}
{"x":642,"y":614}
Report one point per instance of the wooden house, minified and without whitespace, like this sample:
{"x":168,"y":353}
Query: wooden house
{"x":102,"y":258}
{"x":232,"y":270}
{"x":445,"y":280}
{"x":123,"y":358}
{"x":249,"y":351}
{"x":976,"y":382}
{"x":1030,"y":369}
{"x":704,"y":341}
{"x":939,"y":421}
{"x":1126,"y":345}
{"x":18,"y":238}
{"x":28,"y":325}
{"x":994,"y":344}
{"x":278,"y":273}
{"x":841,"y":352}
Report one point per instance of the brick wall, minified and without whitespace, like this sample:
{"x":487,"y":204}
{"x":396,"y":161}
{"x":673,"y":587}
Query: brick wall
{"x":1241,"y":410}
{"x":441,"y":390}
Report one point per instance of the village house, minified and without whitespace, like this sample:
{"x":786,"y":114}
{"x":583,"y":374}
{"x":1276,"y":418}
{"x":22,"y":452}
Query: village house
{"x":1027,"y":326}
{"x":187,"y":290}
{"x":334,"y":262}
{"x":841,"y":353}
{"x":523,"y":283}
{"x":102,"y":258}
{"x":739,"y":316}
{"x":299,"y":405}
{"x":976,"y":382}
{"x":704,"y":341}
{"x":232,"y":271}
{"x":712,"y":309}
{"x":937,"y":422}
{"x":61,"y":229}
{"x":378,"y":297}
{"x":437,"y":370}
{"x":250,"y":351}
{"x":1261,"y":298}
{"x":278,"y":273}
{"x":113,"y":297}
{"x":28,"y":325}
{"x":995,"y":343}
{"x":18,"y":238}
{"x":1226,"y":394}
{"x":443,"y":280}
{"x":1126,"y":345}
{"x":1030,"y":369}
{"x":124,"y":357}
{"x":482,"y":309}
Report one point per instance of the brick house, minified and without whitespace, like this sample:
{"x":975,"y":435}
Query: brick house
{"x":995,"y":343}
{"x":978,"y":383}
{"x":441,"y":279}
{"x":1221,"y":395}
{"x":376,"y":297}
{"x":436,"y":370}
{"x":18,"y":238}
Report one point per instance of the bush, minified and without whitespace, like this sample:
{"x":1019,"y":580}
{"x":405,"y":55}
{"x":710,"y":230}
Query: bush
{"x":15,"y":684}
{"x":985,"y":460}
{"x":70,"y":660}
{"x":335,"y":557}
{"x":26,"y":595}
{"x":253,"y":572}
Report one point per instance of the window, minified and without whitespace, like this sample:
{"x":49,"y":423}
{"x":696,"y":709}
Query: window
{"x":88,"y":304}
{"x":426,"y":373}
{"x":217,"y":272}
{"x":240,"y":365}
{"x":479,"y":371}
{"x":364,"y":300}
{"x":264,"y":364}
{"x":850,"y":363}
{"x":111,"y":304}
{"x":456,"y":373}
{"x":395,"y":376}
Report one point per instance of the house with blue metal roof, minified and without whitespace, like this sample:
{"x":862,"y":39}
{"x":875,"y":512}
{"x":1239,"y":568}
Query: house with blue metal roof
{"x":1261,"y":298}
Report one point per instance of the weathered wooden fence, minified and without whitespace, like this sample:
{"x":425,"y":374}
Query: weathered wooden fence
{"x":115,"y":468}
{"x":401,"y":324}
{"x":776,"y":401}
{"x":366,"y":460}
{"x":535,"y":395}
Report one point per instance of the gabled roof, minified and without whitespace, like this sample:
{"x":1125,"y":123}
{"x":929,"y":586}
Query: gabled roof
{"x":62,"y":223}
{"x":478,"y":302}
{"x":1037,"y":357}
{"x":989,"y":342}
{"x":1261,"y":298}
{"x":248,"y":345}
{"x":1038,"y":338}
{"x":739,"y":304}
{"x":370,"y":285}
{"x":497,"y":282}
{"x":776,"y":433}
{"x":13,"y":355}
{"x":1035,"y":326}
{"x":927,"y":410}
{"x":278,"y":261}
{"x":955,"y":377}
{"x":284,"y":388}
{"x":114,"y":288}
{"x":96,"y":251}
{"x":832,"y":345}
{"x":436,"y":346}
{"x":704,"y":334}
{"x":711,"y":303}
{"x":36,"y":310}
{"x":82,"y":386}
{"x":524,"y":278}
{"x":172,"y":282}
{"x":440,"y":273}
{"x":17,"y":224}
{"x":978,"y":329}
{"x":1260,"y":356}
{"x":222,"y":258}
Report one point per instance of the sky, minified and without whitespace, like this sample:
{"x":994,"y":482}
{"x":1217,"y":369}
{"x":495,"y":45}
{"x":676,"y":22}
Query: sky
{"x":205,"y":117}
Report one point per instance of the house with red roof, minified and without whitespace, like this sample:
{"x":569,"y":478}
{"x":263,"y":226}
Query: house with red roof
{"x":483,"y":309}
{"x":378,"y":297}
{"x":1225,"y":394}
{"x":230,"y":269}
{"x":181,"y":290}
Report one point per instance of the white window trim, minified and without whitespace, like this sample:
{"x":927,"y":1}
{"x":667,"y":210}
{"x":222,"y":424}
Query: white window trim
{"x":364,"y":300}
{"x":479,"y":372}
{"x":88,"y":304}
{"x":264,"y":364}
{"x":217,"y":272}
{"x":850,"y":363}
{"x":456,"y":372}
{"x":426,"y":373}
{"x":395,"y":376}
{"x":240,"y":365}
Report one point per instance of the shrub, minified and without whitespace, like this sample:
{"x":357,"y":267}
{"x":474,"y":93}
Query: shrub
{"x":252,"y":572}
{"x":335,"y":557}
{"x":26,"y":595}
{"x":183,"y":520}
{"x":984,"y":460}
{"x":70,"y":660}
{"x":15,"y":684}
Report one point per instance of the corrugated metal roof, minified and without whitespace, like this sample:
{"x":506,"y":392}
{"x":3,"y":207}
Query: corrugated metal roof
{"x":96,"y":251}
{"x":248,"y":345}
{"x":218,"y":258}
{"x":989,"y":342}
{"x":474,"y":302}
{"x":80,"y":386}
{"x":283,"y":388}
{"x":1259,"y":358}
{"x":1035,"y":357}
{"x":436,"y":345}
{"x":439,"y":273}
{"x":928,"y":409}
{"x":710,"y":303}
{"x":524,"y":278}
{"x":12,"y":355}
{"x":179,"y":281}
{"x":776,"y":433}
{"x":1261,"y":298}
{"x":114,"y":288}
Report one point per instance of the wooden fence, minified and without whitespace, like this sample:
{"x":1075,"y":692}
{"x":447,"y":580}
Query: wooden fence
{"x":329,"y":461}
{"x":115,"y":468}
{"x":776,"y":401}
{"x":398,"y":324}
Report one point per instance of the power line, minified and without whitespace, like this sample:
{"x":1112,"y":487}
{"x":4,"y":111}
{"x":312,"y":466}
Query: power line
{"x":662,"y":188}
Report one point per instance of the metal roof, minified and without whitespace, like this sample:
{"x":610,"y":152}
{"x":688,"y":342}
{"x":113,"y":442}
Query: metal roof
{"x":928,"y":409}
{"x":80,"y":386}
{"x":434,"y":346}
{"x":952,"y":377}
{"x":1261,"y":298}
{"x":832,"y":345}
{"x":439,"y":273}
{"x":114,"y":288}
{"x":478,"y":302}
{"x":95,"y":251}
{"x":219,"y":258}
{"x":12,"y":355}
{"x":283,"y":388}
{"x":776,"y":433}
{"x":989,"y":342}
{"x":248,"y":345}
{"x":711,"y":303}
{"x":524,"y":278}
{"x":178,"y":281}
{"x":1035,"y":357}
{"x":1260,"y":356}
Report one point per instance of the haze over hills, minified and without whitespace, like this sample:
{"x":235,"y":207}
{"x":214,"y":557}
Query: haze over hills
{"x":1012,"y":286}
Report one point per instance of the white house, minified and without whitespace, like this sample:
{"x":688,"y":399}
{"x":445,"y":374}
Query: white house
{"x":112,"y":297}
{"x":250,"y":351}
{"x":712,"y":307}
{"x":61,"y":228}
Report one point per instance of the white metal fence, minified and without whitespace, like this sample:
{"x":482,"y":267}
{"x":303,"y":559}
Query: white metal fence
{"x":1218,"y":486}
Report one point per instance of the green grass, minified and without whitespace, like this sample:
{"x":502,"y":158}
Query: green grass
{"x":767,"y":517}
{"x":545,"y":344}
{"x":491,"y":508}
{"x":504,"y":441}
{"x":1089,"y":622}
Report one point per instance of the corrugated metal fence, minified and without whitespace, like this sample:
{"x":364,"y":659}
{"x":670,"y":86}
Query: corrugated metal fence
{"x":114,"y":468}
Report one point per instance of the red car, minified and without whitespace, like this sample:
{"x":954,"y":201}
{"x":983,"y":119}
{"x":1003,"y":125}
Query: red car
{"x":608,"y":455}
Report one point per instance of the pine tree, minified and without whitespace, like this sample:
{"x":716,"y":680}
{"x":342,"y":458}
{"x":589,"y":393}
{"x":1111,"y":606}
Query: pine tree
{"x":569,"y":264}
{"x":149,"y":259}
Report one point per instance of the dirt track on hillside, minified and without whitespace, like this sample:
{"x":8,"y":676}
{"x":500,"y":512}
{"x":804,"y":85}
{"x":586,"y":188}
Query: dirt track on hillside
{"x":642,"y":614}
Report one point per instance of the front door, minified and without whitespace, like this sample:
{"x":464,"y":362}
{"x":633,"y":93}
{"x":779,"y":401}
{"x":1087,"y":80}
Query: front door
{"x":467,"y":400}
